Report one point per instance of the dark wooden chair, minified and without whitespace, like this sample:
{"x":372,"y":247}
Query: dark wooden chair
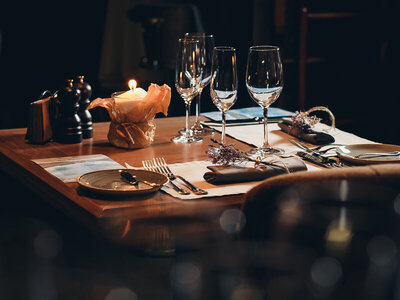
{"x":340,"y":54}
{"x":294,"y":222}
{"x":306,"y":20}
{"x":308,"y":33}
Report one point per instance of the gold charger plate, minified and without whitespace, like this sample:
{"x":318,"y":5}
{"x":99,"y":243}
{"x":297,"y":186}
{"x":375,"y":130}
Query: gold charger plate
{"x":110,"y":182}
{"x":349,"y":152}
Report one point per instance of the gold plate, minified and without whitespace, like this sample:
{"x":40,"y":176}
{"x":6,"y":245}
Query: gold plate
{"x":110,"y":182}
{"x":349,"y":152}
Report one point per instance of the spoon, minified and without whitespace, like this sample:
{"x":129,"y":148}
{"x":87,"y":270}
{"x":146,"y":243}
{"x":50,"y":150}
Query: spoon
{"x":372,"y":154}
{"x":132,"y":179}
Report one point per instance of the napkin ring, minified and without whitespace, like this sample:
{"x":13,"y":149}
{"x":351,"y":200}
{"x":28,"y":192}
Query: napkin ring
{"x":276,"y":161}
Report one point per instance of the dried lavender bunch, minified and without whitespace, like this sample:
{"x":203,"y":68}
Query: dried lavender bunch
{"x":303,"y":121}
{"x":224,"y":154}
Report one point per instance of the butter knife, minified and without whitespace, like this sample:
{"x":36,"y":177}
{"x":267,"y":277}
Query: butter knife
{"x":313,"y":159}
{"x":323,"y":159}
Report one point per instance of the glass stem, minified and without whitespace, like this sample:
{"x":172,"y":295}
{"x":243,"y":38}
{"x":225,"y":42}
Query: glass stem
{"x":223,"y":128}
{"x":265,"y":114}
{"x":187,"y":131}
{"x":197,"y":123}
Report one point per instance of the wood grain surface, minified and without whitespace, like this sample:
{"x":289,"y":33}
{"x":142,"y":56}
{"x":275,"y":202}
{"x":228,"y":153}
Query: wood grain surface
{"x":17,"y":153}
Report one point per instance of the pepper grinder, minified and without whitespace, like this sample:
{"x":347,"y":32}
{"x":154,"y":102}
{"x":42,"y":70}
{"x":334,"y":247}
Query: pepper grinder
{"x":68,"y":128}
{"x":84,"y":114}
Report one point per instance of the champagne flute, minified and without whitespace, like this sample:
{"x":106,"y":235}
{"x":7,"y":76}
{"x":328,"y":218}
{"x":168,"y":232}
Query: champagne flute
{"x":207,"y":46}
{"x":224,"y":82}
{"x":264,"y":82}
{"x":188,"y":73}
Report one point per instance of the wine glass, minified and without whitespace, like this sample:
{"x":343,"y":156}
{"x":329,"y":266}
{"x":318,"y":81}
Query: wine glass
{"x":224,"y":82}
{"x":264,"y":82}
{"x":207,"y":46}
{"x":188,"y":73}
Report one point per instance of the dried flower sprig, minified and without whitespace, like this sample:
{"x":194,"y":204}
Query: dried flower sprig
{"x":224,"y":154}
{"x":228,"y":155}
{"x":305,"y":122}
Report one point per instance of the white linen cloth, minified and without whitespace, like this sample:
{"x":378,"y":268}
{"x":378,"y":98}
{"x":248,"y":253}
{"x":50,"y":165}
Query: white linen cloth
{"x":252,"y":135}
{"x":194,"y":171}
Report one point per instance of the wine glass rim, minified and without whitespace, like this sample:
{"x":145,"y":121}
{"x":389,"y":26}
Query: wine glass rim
{"x":264,"y":48}
{"x":198,"y":34}
{"x":225,"y":48}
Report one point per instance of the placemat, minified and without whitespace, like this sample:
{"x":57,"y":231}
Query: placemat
{"x":280,"y":139}
{"x":194,"y":171}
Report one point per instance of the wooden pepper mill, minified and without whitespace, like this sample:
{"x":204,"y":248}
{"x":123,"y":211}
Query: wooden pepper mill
{"x":84,"y":114}
{"x":68,"y":128}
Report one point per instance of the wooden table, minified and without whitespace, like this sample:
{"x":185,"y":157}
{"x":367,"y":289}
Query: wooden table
{"x":92,"y":262}
{"x":92,"y":210}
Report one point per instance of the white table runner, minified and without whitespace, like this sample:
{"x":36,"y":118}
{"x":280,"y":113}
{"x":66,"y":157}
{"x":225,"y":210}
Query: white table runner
{"x":194,"y":171}
{"x":253,"y":135}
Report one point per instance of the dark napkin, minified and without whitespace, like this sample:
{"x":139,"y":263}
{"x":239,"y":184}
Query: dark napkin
{"x":313,"y":137}
{"x":232,"y":174}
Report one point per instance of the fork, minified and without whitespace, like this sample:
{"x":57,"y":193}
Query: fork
{"x":151,"y":166}
{"x":324,"y":151}
{"x":160,"y":162}
{"x":315,"y":150}
{"x":326,"y":160}
{"x":331,"y":146}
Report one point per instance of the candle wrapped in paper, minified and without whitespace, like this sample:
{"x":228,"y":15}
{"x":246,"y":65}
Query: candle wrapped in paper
{"x":132,"y":114}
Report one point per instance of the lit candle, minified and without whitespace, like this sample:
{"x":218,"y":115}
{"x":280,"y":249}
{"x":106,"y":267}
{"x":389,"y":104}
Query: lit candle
{"x":126,"y":101}
{"x":134,"y":94}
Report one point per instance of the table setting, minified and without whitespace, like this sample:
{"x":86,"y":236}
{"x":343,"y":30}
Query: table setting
{"x":235,"y":148}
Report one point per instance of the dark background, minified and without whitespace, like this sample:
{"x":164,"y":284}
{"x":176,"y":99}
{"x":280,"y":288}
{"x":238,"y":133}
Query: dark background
{"x":43,"y":43}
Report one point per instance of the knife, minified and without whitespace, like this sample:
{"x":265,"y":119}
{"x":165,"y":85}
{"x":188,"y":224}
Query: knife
{"x":323,"y":159}
{"x":313,"y":159}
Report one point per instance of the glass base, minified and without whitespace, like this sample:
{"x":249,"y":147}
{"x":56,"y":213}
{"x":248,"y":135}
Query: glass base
{"x":186,"y":139}
{"x":203,"y":131}
{"x":265,"y":151}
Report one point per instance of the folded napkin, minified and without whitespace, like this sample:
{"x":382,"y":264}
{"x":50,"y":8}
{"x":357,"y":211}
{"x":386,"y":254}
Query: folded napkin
{"x":313,"y":137}
{"x":231,"y":174}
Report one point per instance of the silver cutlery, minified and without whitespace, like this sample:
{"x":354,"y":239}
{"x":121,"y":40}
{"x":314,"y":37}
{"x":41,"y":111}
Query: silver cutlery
{"x":332,"y":146}
{"x":151,"y":166}
{"x":324,"y":151}
{"x":160,"y":162}
{"x":301,"y":146}
{"x":132,"y":179}
{"x":373,"y":155}
{"x":323,"y":159}
{"x":315,"y":150}
{"x":313,"y":159}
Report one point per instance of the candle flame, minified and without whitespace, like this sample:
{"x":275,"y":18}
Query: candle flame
{"x":132,"y":84}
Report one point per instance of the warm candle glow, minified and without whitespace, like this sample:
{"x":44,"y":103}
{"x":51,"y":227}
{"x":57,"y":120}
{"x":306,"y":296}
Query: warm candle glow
{"x":132,"y":84}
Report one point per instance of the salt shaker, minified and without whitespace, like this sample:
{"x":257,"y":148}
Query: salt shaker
{"x":68,"y":128}
{"x":84,"y":114}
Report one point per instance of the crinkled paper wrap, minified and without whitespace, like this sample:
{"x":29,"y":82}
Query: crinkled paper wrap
{"x":135,"y":127}
{"x":132,"y":135}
